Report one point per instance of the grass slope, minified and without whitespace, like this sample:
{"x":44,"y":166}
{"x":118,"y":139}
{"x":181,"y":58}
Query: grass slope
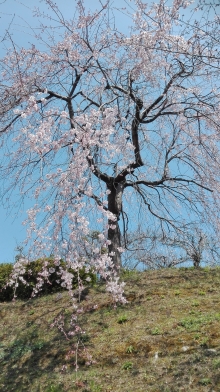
{"x":167,"y":338}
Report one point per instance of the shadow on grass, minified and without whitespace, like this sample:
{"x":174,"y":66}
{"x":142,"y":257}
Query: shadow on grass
{"x":30,"y":358}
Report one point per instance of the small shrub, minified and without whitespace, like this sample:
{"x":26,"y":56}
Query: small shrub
{"x":204,"y":342}
{"x":127,"y":366}
{"x":122,"y":319}
{"x":5,"y":272}
{"x":195,"y":303}
{"x":216,"y":363}
{"x":85,"y":338}
{"x":38,"y":345}
{"x":130,"y":350}
{"x":205,"y":381}
{"x":32,"y":271}
{"x":156,"y":331}
{"x":192,"y":323}
{"x":94,"y":387}
{"x":53,"y":388}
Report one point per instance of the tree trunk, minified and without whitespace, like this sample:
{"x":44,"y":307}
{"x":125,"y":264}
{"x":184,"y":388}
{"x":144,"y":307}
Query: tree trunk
{"x":114,"y":234}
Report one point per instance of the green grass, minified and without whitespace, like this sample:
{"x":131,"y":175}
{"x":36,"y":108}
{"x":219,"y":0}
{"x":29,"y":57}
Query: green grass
{"x":167,"y":338}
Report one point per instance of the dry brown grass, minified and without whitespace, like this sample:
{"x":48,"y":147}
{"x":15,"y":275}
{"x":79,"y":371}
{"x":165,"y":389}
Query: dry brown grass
{"x":167,"y":338}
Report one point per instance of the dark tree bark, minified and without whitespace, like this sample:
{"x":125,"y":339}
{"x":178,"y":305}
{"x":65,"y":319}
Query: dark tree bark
{"x":114,"y":234}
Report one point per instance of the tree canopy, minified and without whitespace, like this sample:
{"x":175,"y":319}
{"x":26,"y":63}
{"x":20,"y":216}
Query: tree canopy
{"x":105,"y":130}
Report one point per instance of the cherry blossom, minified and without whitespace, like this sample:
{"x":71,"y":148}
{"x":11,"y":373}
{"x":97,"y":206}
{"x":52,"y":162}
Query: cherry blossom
{"x":104,"y":131}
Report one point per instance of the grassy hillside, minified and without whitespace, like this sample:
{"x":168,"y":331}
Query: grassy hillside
{"x":167,"y":338}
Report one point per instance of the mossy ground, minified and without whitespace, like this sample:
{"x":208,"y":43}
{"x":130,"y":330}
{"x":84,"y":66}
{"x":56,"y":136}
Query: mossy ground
{"x":167,"y":338}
